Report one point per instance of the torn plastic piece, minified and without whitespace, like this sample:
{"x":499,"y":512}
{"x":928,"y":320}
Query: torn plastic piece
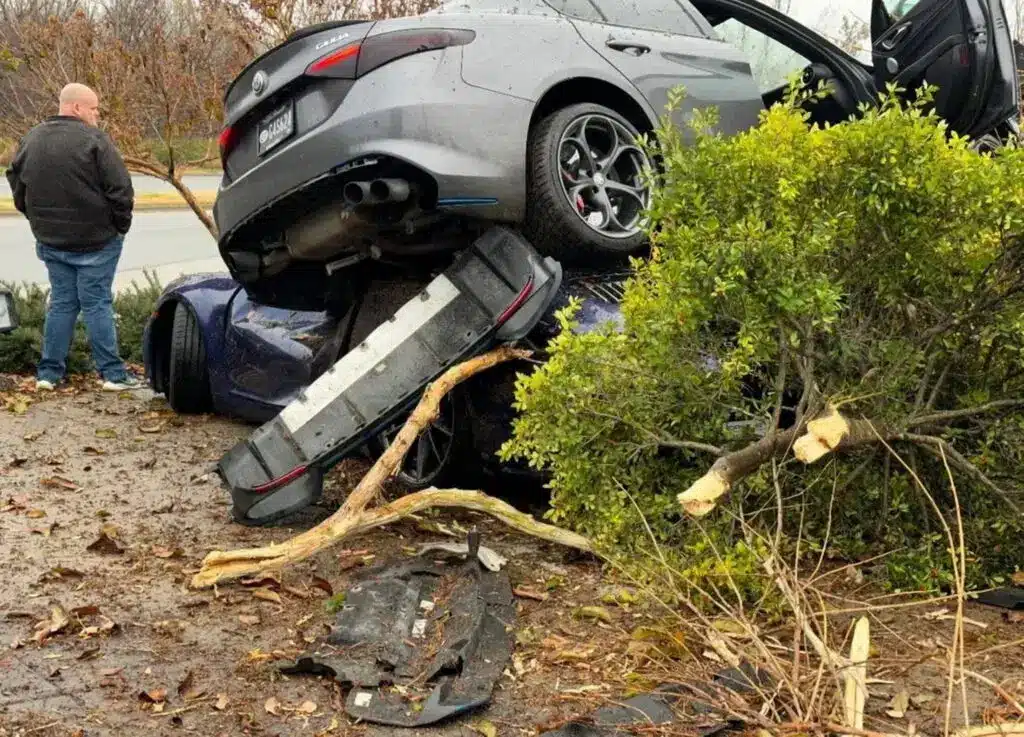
{"x":418,"y":642}
{"x":495,"y":292}
{"x":1010,"y":597}
{"x":490,"y":559}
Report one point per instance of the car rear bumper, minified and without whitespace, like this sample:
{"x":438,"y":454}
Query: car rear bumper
{"x":470,"y":142}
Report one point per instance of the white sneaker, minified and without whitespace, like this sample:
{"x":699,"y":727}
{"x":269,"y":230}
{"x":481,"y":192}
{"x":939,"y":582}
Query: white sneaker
{"x":129,"y":384}
{"x":42,"y":385}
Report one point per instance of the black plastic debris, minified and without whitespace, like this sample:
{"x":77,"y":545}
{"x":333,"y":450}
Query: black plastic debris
{"x":667,"y":703}
{"x":420,"y":641}
{"x":1011,"y":598}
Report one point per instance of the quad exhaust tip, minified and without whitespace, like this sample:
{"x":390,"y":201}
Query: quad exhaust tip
{"x":377,"y":192}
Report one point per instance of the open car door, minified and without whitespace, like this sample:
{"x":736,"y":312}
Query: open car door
{"x":962,"y":47}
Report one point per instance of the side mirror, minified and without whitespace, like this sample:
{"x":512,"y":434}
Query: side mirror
{"x":8,"y":313}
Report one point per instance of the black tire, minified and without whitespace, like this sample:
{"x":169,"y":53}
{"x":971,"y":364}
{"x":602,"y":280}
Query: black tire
{"x":552,"y":223}
{"x":457,"y":465}
{"x":188,"y":386}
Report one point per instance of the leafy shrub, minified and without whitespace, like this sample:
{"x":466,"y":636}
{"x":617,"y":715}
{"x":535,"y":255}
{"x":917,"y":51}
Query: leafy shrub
{"x":876,"y":266}
{"x":20,"y":350}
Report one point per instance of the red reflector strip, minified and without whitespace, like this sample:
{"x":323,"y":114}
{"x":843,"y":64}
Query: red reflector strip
{"x":518,"y":302}
{"x":331,"y":59}
{"x":280,"y":481}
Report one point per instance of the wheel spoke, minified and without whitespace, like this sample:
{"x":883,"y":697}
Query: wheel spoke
{"x":422,"y":455}
{"x":635,"y":192}
{"x":605,"y":205}
{"x":580,"y":144}
{"x":608,"y":162}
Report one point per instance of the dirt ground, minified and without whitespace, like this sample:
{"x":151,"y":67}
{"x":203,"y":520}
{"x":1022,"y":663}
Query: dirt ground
{"x":79,"y":463}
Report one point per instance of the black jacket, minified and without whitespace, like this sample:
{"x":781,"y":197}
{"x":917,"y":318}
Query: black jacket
{"x":70,"y":181}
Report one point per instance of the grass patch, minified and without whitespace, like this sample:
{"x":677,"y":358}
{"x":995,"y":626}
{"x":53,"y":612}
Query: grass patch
{"x":20,"y":350}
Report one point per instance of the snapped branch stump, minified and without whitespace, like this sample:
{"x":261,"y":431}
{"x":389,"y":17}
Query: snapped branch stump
{"x":354,"y":517}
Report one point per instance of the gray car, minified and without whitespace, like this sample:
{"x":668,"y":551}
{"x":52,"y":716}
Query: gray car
{"x":399,"y":140}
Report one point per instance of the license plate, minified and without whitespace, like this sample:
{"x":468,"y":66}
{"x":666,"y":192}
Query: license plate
{"x":276,"y":128}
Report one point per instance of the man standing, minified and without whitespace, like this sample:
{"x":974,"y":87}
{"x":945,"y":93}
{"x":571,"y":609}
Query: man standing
{"x":71,"y":183}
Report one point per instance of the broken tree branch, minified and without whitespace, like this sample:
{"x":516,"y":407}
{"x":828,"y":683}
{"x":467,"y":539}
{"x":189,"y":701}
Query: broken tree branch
{"x":353,"y":517}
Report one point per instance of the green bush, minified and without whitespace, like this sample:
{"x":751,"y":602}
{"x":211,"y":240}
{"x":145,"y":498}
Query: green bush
{"x":875,"y":265}
{"x":20,"y":349}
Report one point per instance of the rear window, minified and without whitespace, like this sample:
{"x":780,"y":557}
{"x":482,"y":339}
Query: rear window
{"x":669,"y":16}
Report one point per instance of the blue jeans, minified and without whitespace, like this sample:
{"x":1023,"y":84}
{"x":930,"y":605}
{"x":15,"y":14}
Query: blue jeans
{"x":81,"y":282}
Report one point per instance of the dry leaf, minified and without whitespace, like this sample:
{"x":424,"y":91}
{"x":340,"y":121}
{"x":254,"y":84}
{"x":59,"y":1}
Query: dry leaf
{"x":54,"y":625}
{"x":921,"y":699}
{"x":598,"y":613}
{"x":525,"y":593}
{"x":86,"y":611}
{"x":1018,"y":578}
{"x":484,"y":727}
{"x":161,"y":552}
{"x":34,"y":436}
{"x":154,"y":428}
{"x":248,"y":619}
{"x":273,"y":706}
{"x":222,"y":702}
{"x":45,"y":531}
{"x":899,"y":705}
{"x":106,"y":433}
{"x":107,"y":543}
{"x":1014,"y":617}
{"x":156,"y":696}
{"x":324,"y":585}
{"x":59,"y":482}
{"x":307,"y":707}
{"x":35,"y":514}
{"x":267,"y":595}
{"x":186,"y":683}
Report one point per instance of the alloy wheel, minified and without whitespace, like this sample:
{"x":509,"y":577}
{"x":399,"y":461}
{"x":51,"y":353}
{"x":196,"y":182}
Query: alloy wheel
{"x":430,"y":454}
{"x":601,"y":170}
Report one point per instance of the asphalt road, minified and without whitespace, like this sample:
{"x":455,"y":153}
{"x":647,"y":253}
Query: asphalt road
{"x":149,"y":185}
{"x":168,"y":243}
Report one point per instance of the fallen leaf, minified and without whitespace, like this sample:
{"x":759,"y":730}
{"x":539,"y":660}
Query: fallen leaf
{"x":89,"y":653}
{"x":484,"y":727}
{"x":34,"y":436}
{"x":729,"y":627}
{"x":524,"y":593}
{"x":86,"y":611}
{"x":222,"y":702}
{"x":108,"y":672}
{"x":161,"y":552}
{"x":59,"y":482}
{"x":45,"y":531}
{"x":153,"y":428}
{"x":90,"y":450}
{"x":1018,"y":578}
{"x":899,"y":705}
{"x":58,"y":572}
{"x":267,"y":595}
{"x":106,"y":433}
{"x":17,"y":462}
{"x":56,"y":624}
{"x":156,"y":696}
{"x":921,"y":699}
{"x":323,"y":585}
{"x":307,"y":707}
{"x":273,"y":706}
{"x":248,"y":619}
{"x":596,"y":613}
{"x":35,"y":514}
{"x":186,"y":683}
{"x":107,"y":543}
{"x":1014,"y":617}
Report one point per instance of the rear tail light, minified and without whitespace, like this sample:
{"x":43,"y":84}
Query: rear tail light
{"x":355,"y":60}
{"x":226,"y":142}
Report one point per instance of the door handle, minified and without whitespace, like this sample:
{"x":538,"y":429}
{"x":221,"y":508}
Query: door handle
{"x":627,"y":47}
{"x":892,"y":41}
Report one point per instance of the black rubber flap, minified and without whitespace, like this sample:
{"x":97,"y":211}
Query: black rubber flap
{"x":494,"y":292}
{"x":419,"y":642}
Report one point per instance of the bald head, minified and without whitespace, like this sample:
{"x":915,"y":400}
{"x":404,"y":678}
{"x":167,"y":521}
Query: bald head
{"x":81,"y":102}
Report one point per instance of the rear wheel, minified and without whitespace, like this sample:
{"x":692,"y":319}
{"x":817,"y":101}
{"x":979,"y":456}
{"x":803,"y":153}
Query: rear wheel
{"x":188,"y":386}
{"x":441,"y":453}
{"x":586,"y":194}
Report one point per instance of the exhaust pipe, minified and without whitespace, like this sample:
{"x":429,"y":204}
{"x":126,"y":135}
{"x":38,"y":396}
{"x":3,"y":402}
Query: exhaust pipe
{"x":356,"y":193}
{"x":389,"y":190}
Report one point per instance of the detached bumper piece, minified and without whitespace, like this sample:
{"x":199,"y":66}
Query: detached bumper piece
{"x":418,"y":642}
{"x":495,"y":292}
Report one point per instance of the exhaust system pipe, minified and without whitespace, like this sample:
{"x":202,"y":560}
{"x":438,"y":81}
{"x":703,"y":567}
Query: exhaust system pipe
{"x":389,"y":190}
{"x":356,"y":193}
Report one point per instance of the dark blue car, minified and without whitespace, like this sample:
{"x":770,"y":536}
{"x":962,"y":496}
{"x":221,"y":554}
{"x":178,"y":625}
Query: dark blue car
{"x":209,"y":348}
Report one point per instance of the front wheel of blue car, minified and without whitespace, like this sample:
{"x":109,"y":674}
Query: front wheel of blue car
{"x":188,"y":385}
{"x":587,"y":194}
